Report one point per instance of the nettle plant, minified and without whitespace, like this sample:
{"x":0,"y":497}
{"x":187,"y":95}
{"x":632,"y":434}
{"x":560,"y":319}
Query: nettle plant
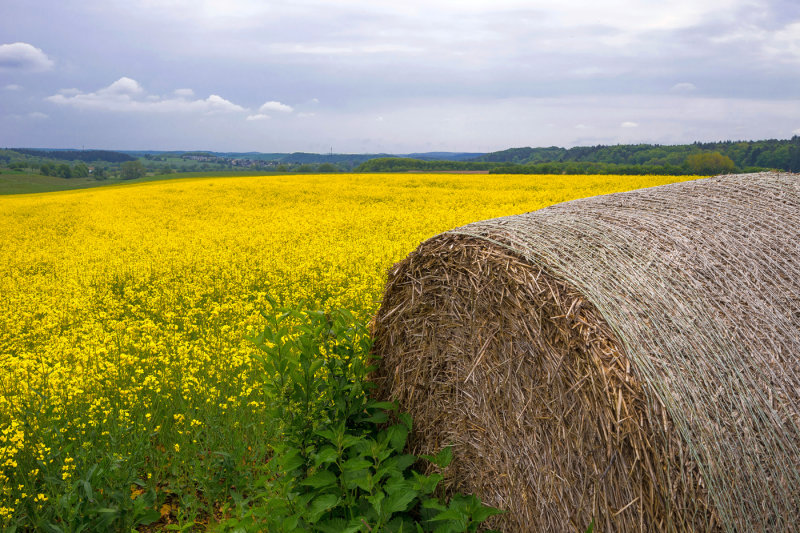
{"x":338,"y":464}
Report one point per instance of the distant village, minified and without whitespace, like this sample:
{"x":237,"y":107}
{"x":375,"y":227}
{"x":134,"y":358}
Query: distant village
{"x":238,"y":162}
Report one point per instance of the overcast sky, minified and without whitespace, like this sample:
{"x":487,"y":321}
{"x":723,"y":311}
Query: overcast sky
{"x":398,"y":77}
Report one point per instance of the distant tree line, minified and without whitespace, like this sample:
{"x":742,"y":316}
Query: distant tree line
{"x":63,"y":170}
{"x":403,"y":164}
{"x":77,"y":155}
{"x":745,"y":155}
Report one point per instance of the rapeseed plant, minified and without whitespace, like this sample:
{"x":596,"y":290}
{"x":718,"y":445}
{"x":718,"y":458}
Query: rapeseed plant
{"x":125,"y":312}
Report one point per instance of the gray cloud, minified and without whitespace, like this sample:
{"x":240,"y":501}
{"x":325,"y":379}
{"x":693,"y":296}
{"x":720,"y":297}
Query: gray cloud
{"x":442,"y":74}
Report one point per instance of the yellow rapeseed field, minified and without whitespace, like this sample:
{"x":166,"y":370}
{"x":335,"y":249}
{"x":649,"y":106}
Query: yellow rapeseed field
{"x":124,"y":312}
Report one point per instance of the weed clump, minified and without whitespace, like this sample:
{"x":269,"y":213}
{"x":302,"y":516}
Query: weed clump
{"x":339,"y":463}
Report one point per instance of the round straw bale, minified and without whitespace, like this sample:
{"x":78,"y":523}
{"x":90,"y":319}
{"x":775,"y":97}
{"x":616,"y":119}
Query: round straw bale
{"x":630,"y":359}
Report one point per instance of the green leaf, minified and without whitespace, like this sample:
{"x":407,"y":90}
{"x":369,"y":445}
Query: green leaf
{"x":441,"y":459}
{"x":291,"y":460}
{"x":335,"y":525}
{"x":406,"y":420}
{"x":356,"y":463}
{"x":315,"y":366}
{"x":404,"y":461}
{"x":398,"y":500}
{"x":148,"y":517}
{"x":290,"y":523}
{"x":375,"y":500}
{"x":320,"y":479}
{"x":386,"y":406}
{"x":591,"y":527}
{"x":328,"y":434}
{"x":397,"y":437}
{"x":326,"y":455}
{"x":350,"y":440}
{"x":378,"y":417}
{"x":426,"y":484}
{"x":320,"y":505}
{"x":455,"y":514}
{"x":360,"y":479}
{"x":485,"y":511}
{"x":433,"y":503}
{"x":87,"y":490}
{"x":394,"y":466}
{"x":402,"y":524}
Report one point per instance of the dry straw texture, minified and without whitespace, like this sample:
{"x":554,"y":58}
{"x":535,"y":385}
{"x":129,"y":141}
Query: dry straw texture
{"x":631,"y":359}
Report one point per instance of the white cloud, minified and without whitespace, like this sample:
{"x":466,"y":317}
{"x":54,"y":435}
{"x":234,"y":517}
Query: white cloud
{"x":683,"y":87}
{"x":24,"y":56}
{"x":123,"y":87}
{"x":581,"y":127}
{"x":37,"y":115}
{"x":796,"y":132}
{"x":306,"y":115}
{"x":275,"y":106}
{"x":185,"y":93}
{"x":258,"y":116}
{"x":13,"y":87}
{"x":218,"y":103}
{"x":127,"y":95}
{"x":628,"y":124}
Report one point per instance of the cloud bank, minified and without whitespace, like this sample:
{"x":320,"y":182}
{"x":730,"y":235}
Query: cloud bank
{"x":127,"y":95}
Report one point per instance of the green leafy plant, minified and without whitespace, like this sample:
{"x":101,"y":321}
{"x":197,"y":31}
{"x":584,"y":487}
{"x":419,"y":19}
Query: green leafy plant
{"x":338,"y":463}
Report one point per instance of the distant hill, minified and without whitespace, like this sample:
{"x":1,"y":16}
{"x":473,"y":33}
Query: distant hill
{"x":77,"y":155}
{"x":299,"y":158}
{"x":444,"y":156}
{"x":309,"y":158}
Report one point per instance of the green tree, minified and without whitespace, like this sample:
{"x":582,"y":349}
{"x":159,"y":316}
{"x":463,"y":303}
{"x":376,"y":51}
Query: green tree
{"x":794,"y":159}
{"x":99,"y":173}
{"x":63,"y":171}
{"x":130,"y":170}
{"x":80,"y":170}
{"x":47,"y":169}
{"x":709,"y":163}
{"x":327,"y":167}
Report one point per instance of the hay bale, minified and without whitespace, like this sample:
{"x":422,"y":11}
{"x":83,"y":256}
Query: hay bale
{"x":631,"y":358}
